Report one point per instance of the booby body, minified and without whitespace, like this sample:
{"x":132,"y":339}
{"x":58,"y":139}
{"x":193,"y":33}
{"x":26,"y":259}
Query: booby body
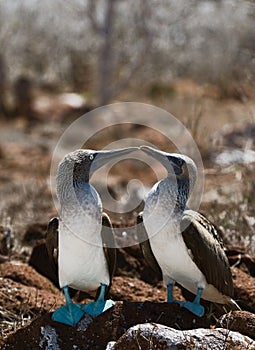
{"x":184,"y":244}
{"x":82,"y":262}
{"x":83,"y":230}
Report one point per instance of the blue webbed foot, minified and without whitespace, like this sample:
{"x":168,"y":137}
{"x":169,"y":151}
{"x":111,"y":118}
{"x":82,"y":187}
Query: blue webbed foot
{"x":99,"y":306}
{"x":195,"y":307}
{"x":69,"y":314}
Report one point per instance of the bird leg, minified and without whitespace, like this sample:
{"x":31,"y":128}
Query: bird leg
{"x":100,"y":305}
{"x":195,"y":306}
{"x":69,"y":314}
{"x":170,"y":298}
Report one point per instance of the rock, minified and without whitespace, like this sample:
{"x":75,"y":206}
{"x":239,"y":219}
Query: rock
{"x":244,"y":287}
{"x":110,"y":345}
{"x":25,"y":294}
{"x":127,"y":264}
{"x":156,"y":336}
{"x":6,"y":240}
{"x":39,"y":260}
{"x":26,"y":276}
{"x":241,"y":321}
{"x":129,"y":324}
{"x":235,"y":156}
{"x":238,"y":257}
{"x":133,"y":289}
{"x":235,"y":135}
{"x":3,"y":245}
{"x":95,"y":333}
{"x":34,"y":233}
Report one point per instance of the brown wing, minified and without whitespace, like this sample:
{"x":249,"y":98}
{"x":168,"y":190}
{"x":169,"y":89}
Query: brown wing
{"x":52,"y":244}
{"x":145,"y":245}
{"x":108,"y":238}
{"x":202,"y":239}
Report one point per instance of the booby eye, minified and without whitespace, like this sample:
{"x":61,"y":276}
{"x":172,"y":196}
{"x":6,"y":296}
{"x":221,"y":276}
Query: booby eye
{"x":179,"y":161}
{"x":91,"y":157}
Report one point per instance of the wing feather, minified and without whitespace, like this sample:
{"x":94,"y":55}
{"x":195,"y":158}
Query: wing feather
{"x":52,"y":243}
{"x":145,"y":245}
{"x":206,"y":246}
{"x":108,"y":239}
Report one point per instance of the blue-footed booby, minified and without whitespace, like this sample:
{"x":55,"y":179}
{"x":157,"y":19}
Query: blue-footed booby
{"x":81,"y":241}
{"x":181,"y":242}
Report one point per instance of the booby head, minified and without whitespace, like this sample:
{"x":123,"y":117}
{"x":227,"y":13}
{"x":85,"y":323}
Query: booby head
{"x":180,"y":168}
{"x":78,"y":167}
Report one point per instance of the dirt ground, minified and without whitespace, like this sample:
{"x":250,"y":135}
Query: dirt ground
{"x":29,"y":288}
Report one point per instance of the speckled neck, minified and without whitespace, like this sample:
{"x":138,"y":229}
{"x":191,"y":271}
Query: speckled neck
{"x":174,"y":193}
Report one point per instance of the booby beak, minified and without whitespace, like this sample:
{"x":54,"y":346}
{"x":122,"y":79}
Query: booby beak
{"x":166,"y":159}
{"x":101,"y":158}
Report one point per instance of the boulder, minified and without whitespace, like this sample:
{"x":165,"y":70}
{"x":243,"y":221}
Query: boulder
{"x":157,"y":336}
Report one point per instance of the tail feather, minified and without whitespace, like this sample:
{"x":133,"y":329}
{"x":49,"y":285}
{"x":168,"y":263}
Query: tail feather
{"x":233,"y":305}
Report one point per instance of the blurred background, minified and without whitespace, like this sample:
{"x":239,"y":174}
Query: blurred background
{"x":112,"y":49}
{"x":194,"y":58}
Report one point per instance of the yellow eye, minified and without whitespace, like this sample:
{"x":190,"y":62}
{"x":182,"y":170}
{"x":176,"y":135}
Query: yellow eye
{"x":91,"y":157}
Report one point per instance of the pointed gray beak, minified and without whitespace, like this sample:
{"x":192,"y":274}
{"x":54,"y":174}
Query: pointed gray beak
{"x":160,"y":156}
{"x":101,"y":158}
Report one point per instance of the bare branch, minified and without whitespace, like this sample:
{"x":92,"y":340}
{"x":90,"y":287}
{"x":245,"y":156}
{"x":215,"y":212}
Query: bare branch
{"x":92,"y":16}
{"x":132,"y":68}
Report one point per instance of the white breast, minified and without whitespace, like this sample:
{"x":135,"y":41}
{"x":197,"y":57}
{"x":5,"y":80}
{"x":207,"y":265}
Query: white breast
{"x":82,"y":264}
{"x":169,"y":249}
{"x":163,"y":228}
